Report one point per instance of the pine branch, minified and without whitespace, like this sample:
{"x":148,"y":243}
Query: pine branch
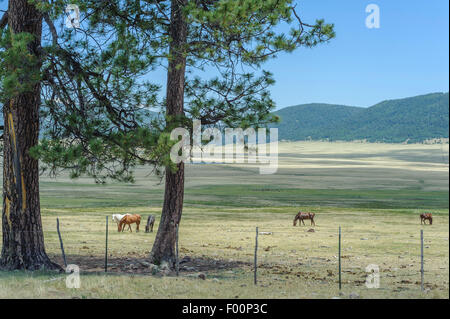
{"x":4,"y":20}
{"x":52,"y":28}
{"x":77,"y":67}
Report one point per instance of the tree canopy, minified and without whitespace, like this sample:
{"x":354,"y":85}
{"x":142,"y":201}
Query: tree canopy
{"x":97,"y":89}
{"x":97,"y":79}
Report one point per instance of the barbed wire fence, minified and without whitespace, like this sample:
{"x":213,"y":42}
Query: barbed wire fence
{"x":258,"y":252}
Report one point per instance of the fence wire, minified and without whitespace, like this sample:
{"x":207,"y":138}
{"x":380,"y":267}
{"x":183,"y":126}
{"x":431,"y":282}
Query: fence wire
{"x":303,"y":252}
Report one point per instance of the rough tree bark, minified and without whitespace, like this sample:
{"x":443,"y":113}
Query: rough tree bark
{"x":164,"y":247}
{"x":23,"y":238}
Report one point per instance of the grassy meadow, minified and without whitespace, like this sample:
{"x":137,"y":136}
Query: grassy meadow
{"x":375,"y":192}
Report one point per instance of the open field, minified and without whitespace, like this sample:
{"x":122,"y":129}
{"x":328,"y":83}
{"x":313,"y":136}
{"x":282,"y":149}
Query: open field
{"x":375,"y":192}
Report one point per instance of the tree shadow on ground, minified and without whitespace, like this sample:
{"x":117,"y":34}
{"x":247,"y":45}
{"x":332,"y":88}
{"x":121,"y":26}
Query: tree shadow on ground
{"x":135,"y":265}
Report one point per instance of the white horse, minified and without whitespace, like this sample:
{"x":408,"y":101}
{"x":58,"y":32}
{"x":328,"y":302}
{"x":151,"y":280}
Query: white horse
{"x":118,"y":217}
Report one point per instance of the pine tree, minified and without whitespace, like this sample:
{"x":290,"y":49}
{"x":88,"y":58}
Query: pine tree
{"x":20,"y":60}
{"x":97,"y":125}
{"x":42,"y":67}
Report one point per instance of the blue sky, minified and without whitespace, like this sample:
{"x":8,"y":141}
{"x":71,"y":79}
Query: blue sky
{"x":408,"y":55}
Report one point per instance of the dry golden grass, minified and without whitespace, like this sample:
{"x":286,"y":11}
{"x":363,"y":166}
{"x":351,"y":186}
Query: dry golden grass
{"x":224,"y":204}
{"x":293,"y":263}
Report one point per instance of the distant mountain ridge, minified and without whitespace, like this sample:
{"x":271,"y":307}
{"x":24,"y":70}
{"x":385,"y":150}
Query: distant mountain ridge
{"x":413,"y":119}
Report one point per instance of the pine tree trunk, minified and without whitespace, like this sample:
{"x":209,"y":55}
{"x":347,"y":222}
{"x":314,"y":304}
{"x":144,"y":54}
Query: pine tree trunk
{"x":23,"y":238}
{"x":164,"y":246}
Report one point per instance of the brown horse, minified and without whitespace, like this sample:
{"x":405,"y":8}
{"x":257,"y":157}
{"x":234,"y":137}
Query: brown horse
{"x":302,"y":216}
{"x":128,"y":220}
{"x":426,"y":216}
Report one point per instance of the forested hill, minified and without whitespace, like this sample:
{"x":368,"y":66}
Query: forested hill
{"x":413,"y":119}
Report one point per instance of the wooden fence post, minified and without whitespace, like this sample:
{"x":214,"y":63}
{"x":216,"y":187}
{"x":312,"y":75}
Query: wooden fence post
{"x":61,"y":242}
{"x":339,"y":257}
{"x":106,"y":246}
{"x":256,"y":256}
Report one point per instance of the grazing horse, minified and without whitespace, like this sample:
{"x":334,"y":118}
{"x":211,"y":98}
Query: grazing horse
{"x":426,"y":216}
{"x":150,"y":222}
{"x":128,"y":220}
{"x":118,"y":217}
{"x":302,"y":216}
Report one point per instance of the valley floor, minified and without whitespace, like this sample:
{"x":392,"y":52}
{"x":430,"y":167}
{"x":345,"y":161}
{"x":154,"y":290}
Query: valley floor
{"x":376,"y":197}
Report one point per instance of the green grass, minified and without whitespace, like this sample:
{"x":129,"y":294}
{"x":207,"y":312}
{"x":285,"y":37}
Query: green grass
{"x":94,"y":196}
{"x":241,"y":195}
{"x":256,"y":196}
